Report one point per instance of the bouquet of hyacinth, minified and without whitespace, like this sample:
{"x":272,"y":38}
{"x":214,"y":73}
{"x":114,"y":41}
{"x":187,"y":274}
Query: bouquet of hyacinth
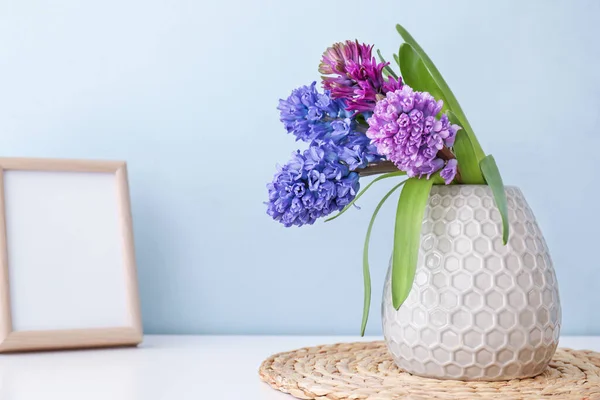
{"x":370,"y":120}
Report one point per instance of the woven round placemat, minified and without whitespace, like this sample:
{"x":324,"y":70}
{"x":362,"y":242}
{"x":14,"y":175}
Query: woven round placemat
{"x":366,"y":371}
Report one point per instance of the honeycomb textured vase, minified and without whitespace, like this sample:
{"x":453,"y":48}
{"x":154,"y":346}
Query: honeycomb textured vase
{"x":478,"y":310}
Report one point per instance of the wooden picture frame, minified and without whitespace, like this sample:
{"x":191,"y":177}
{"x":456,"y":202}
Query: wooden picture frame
{"x":123,"y":334}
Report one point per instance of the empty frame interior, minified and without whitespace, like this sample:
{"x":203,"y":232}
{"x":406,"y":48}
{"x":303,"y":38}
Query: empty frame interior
{"x":67,"y":255}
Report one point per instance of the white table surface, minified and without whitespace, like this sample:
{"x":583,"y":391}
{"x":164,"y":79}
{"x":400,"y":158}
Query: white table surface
{"x":165,"y":367}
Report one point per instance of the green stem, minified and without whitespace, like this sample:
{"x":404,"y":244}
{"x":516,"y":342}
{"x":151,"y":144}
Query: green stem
{"x":366,"y":270}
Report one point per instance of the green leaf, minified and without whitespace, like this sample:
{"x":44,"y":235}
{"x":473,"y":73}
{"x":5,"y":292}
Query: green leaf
{"x":407,"y":236}
{"x":366,"y":273}
{"x":451,"y":100}
{"x":494,"y":181}
{"x":468,"y":165}
{"x":416,"y":75}
{"x":380,"y":177}
{"x":387,"y":69}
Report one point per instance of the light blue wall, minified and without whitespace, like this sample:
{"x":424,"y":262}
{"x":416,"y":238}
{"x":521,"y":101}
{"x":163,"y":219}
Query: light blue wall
{"x":186,"y":92}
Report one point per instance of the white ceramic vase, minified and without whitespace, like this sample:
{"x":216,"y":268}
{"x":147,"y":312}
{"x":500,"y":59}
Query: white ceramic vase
{"x":478,"y":310}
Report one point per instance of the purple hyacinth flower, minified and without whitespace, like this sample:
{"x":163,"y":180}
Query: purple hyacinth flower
{"x":449,"y":171}
{"x":313,"y":184}
{"x":306,"y":113}
{"x":406,"y":131}
{"x":320,"y":120}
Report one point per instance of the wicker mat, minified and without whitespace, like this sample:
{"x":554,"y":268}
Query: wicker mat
{"x":366,"y":371}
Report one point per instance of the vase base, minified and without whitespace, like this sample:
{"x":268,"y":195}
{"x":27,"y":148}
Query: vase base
{"x":480,"y":364}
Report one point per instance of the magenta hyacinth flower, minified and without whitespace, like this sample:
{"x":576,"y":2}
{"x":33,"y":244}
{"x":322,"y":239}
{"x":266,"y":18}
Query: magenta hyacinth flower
{"x":350,"y":72}
{"x":406,"y":131}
